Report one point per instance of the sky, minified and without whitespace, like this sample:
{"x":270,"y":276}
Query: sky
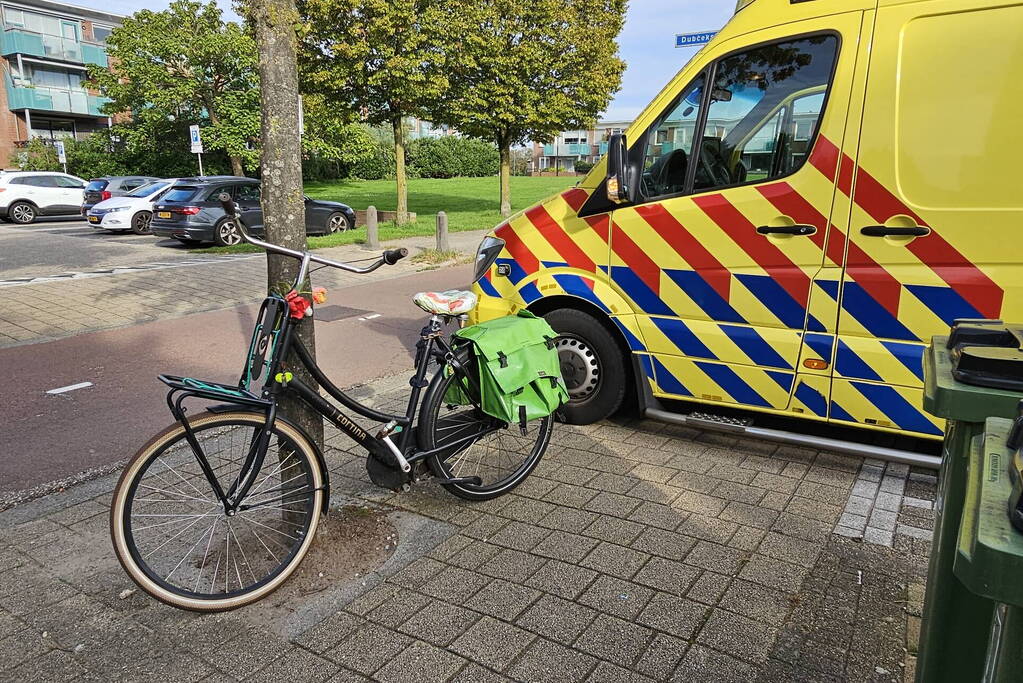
{"x":647,"y":43}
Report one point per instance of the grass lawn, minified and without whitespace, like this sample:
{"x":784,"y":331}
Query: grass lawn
{"x":470,"y":203}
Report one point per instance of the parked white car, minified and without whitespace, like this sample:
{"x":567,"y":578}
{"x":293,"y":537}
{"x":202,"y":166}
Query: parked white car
{"x":26,"y":195}
{"x":133,"y":211}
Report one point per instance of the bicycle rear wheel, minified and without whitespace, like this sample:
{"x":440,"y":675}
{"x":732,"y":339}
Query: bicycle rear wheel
{"x":500,"y":455}
{"x":172,"y":535}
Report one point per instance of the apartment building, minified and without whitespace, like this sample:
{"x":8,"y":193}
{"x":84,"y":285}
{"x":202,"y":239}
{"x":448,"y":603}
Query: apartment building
{"x":45,"y":47}
{"x":570,"y":146}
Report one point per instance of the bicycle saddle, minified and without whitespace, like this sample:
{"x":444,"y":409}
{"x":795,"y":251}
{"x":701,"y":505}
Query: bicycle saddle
{"x":451,"y":302}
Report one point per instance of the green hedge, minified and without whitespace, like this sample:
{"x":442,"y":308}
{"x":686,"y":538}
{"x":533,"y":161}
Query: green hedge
{"x":451,"y":157}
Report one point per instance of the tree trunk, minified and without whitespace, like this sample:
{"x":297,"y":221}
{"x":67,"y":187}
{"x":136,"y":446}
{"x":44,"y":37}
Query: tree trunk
{"x":505,"y":148}
{"x":236,"y":166}
{"x":399,"y":170}
{"x":282,"y":197}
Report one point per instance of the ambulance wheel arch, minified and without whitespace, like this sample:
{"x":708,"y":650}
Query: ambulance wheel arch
{"x":594,"y":358}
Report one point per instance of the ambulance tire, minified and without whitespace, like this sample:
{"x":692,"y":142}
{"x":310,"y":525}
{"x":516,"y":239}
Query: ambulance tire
{"x":593,"y":365}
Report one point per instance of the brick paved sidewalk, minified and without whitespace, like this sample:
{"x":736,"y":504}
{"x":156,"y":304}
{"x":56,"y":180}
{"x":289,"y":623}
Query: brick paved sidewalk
{"x":635,"y":552}
{"x":59,"y":308}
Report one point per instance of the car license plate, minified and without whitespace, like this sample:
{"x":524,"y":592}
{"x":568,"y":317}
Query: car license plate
{"x":94,"y":219}
{"x":163,"y":214}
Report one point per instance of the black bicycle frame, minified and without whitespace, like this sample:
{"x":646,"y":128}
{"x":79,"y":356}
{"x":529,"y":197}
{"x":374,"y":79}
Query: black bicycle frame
{"x":275,"y":330}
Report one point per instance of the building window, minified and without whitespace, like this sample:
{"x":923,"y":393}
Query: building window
{"x":52,"y":129}
{"x":101,"y":33}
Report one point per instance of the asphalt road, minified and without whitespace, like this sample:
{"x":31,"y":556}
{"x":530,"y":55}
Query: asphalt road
{"x":69,"y":244}
{"x":47,"y":436}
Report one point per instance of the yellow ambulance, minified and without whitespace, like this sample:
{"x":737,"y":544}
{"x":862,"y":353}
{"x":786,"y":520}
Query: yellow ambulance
{"x":825,"y":186}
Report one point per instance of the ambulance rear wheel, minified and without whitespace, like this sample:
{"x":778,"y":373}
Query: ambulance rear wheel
{"x":591,"y":363}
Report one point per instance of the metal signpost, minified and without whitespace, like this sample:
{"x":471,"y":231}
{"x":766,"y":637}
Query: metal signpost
{"x":691,"y":39}
{"x":193,"y":134}
{"x":61,"y":156}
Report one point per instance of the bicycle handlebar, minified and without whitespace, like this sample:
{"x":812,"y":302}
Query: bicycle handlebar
{"x":389,"y":257}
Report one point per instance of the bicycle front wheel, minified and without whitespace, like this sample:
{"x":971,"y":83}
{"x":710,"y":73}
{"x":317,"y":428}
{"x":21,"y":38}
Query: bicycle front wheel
{"x":501,"y":455}
{"x":172,"y":535}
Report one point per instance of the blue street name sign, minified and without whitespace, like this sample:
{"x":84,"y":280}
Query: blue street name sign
{"x":688,"y":39}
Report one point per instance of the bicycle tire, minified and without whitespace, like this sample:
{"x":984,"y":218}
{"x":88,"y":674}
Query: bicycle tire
{"x":300,"y":506}
{"x":436,"y":415}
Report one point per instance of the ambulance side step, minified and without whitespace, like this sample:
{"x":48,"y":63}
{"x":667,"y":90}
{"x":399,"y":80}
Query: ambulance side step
{"x":743,"y":426}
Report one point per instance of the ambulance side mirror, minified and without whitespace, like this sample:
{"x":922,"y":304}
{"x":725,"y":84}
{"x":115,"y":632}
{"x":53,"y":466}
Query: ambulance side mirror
{"x":619,"y":189}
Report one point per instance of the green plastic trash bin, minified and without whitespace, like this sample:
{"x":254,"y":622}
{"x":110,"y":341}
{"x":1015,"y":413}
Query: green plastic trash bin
{"x":953,"y":616}
{"x":989,"y":558}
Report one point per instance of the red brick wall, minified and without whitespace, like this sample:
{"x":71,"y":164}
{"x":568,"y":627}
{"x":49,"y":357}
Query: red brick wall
{"x":12,"y":125}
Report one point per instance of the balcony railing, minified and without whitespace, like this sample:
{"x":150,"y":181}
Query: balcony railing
{"x":567,"y":149}
{"x":19,"y":41}
{"x":54,"y":99}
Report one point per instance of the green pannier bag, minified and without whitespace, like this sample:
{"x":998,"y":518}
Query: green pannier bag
{"x":518,"y":369}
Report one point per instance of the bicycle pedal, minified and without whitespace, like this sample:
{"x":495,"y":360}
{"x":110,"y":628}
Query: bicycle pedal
{"x":472,"y":481}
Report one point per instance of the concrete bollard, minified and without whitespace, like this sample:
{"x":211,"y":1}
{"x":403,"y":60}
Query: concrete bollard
{"x":442,"y":232}
{"x":372,"y":229}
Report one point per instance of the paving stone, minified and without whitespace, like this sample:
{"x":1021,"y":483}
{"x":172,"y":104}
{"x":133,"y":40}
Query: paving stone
{"x":758,"y":602}
{"x":369,"y":648}
{"x":492,"y":643}
{"x":708,"y":588}
{"x":749,"y":515}
{"x":454,"y":585}
{"x":662,"y":656}
{"x":612,"y":639}
{"x":399,"y":608}
{"x":858,"y":506}
{"x":617,"y":597}
{"x":512,"y":565}
{"x":664,"y":543}
{"x":526,"y":510}
{"x":475,"y":554}
{"x":298,"y":665}
{"x":882,"y":519}
{"x":670,"y":614}
{"x":716,"y":557}
{"x":560,"y":545}
{"x":439,"y":623}
{"x":661,"y":516}
{"x":738,"y":636}
{"x":613,"y":504}
{"x":556,"y":618}
{"x":773,"y":573}
{"x":474,"y":673}
{"x":562,"y":579}
{"x":545,"y":661}
{"x":703,"y":665}
{"x":608,"y":558}
{"x":697,"y":482}
{"x":708,"y":528}
{"x":420,"y":663}
{"x":610,"y":673}
{"x":519,"y":536}
{"x":417,"y":573}
{"x":570,"y":495}
{"x":699,"y":503}
{"x":246,"y":653}
{"x":790,"y":549}
{"x":503,"y":600}
{"x":569,"y":519}
{"x":852,"y":521}
{"x":329,"y":632}
{"x":747,"y":538}
{"x":613,"y":530}
{"x":666,"y":575}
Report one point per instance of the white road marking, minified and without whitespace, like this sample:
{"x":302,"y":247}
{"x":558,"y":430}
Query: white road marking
{"x":70,"y":387}
{"x":370,"y":317}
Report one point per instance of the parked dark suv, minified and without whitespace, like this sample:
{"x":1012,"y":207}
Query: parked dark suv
{"x":190,"y":211}
{"x":106,"y":187}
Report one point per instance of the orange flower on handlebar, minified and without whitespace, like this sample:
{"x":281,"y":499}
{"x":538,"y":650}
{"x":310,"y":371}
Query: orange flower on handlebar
{"x":319,"y":295}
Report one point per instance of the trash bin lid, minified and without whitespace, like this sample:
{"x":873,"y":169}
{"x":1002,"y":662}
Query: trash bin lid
{"x":989,"y":553}
{"x":987,"y":353}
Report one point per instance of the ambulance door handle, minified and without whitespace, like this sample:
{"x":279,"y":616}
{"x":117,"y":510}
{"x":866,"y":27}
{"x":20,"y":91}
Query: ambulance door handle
{"x":890,"y":231}
{"x":803,"y":230}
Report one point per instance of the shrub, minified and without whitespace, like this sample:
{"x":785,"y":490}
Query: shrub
{"x":452,"y":156}
{"x":582,"y":166}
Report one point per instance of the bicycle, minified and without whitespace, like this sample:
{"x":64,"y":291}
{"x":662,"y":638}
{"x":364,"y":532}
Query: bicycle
{"x":217,"y":510}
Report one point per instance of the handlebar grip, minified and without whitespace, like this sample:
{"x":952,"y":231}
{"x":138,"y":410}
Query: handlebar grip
{"x":392,"y":256}
{"x":230,"y":208}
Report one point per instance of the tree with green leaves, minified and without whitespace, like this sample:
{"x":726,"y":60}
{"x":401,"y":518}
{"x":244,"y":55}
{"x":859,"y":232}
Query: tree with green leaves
{"x":185,"y":64}
{"x":380,"y":58}
{"x":525,"y":70}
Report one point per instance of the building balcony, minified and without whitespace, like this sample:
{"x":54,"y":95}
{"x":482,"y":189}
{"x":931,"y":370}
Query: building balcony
{"x":15,"y":41}
{"x":54,"y":100}
{"x":567,"y":150}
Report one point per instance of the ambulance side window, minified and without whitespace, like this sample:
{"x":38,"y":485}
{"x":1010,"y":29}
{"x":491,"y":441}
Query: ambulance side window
{"x":765,"y":108}
{"x":669,"y":144}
